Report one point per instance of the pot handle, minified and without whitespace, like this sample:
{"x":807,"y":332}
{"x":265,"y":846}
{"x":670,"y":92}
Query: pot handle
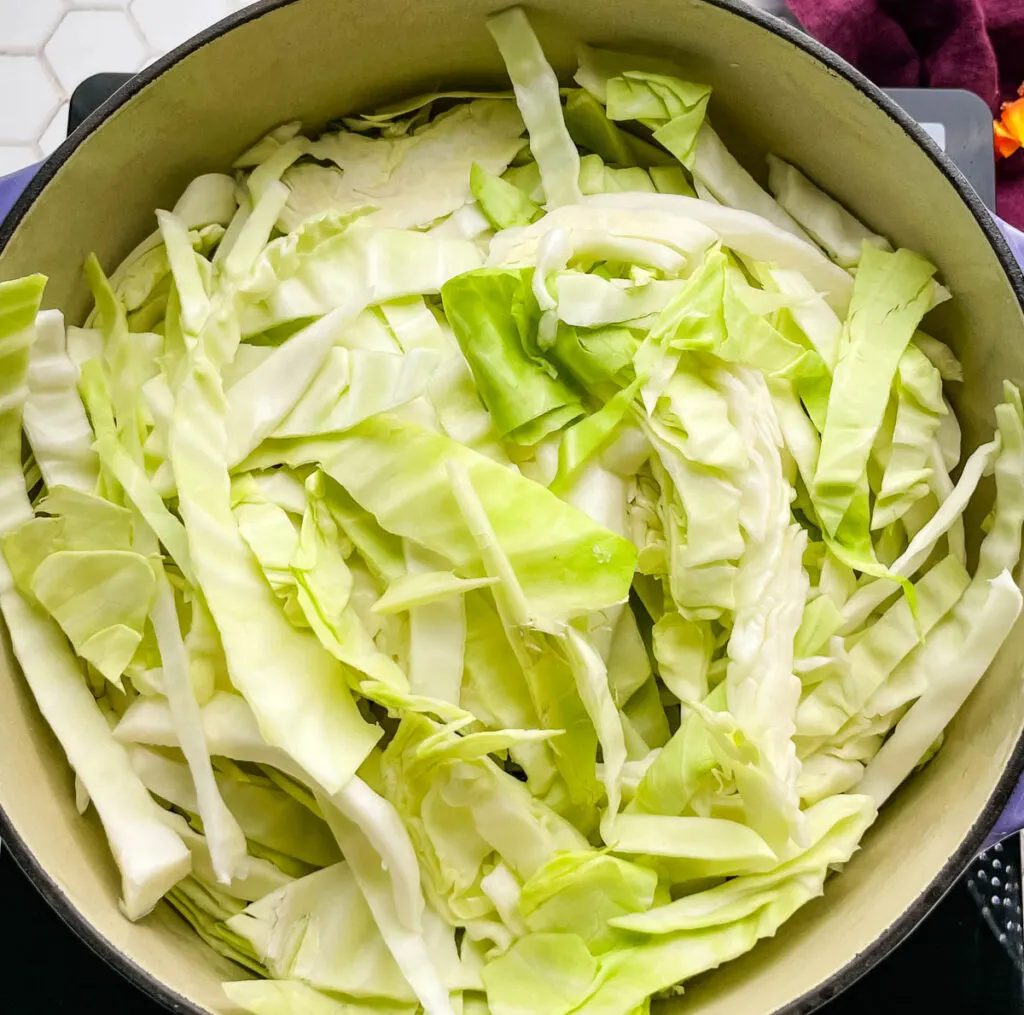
{"x":1012,"y":818}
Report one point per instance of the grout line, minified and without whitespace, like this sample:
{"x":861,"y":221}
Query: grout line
{"x":29,"y":51}
{"x":44,"y":60}
{"x":33,"y":146}
{"x":150,"y":51}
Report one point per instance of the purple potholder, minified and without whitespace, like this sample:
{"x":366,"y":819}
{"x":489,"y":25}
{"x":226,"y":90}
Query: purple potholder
{"x":1012,"y":818}
{"x":12,"y":186}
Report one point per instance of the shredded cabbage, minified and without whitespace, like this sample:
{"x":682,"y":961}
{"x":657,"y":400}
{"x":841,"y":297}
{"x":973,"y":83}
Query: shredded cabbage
{"x":493,"y":556}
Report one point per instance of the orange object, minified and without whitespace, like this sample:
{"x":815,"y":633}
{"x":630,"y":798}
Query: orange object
{"x":1013,"y":118}
{"x":1006,"y":143}
{"x":1008,"y":130}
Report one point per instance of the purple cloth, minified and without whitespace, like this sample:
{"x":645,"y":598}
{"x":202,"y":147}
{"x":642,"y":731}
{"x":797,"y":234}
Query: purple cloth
{"x":973,"y":44}
{"x":1012,"y":818}
{"x":12,"y":186}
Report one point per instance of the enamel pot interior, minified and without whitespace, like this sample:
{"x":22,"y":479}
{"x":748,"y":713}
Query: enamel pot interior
{"x":774,"y":90}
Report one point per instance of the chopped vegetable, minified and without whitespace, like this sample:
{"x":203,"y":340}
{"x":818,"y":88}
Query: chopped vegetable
{"x":468,"y":571}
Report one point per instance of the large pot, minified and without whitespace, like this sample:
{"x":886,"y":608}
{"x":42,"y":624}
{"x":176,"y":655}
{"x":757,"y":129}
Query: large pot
{"x":774,"y":89}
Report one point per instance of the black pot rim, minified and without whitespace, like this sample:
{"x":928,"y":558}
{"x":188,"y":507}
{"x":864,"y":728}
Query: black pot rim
{"x":972,"y":842}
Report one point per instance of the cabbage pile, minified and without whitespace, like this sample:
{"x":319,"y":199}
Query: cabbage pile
{"x":495,"y":556}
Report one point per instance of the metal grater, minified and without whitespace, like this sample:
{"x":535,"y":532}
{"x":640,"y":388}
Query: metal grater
{"x":994,"y":882}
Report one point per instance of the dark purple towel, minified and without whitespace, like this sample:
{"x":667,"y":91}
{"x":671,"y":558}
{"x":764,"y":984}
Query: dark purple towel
{"x":972,"y":44}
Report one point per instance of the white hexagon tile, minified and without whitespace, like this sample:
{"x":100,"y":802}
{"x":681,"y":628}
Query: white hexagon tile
{"x":48,"y":47}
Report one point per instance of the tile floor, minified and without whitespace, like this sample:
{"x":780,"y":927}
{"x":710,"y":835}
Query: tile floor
{"x":47,"y":47}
